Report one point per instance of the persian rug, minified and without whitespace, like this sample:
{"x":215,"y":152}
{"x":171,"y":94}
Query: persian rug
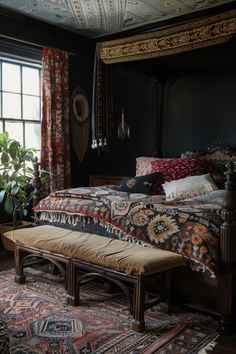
{"x":39,"y":321}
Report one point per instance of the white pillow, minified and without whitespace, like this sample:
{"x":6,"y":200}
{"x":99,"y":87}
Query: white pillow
{"x":189,"y":187}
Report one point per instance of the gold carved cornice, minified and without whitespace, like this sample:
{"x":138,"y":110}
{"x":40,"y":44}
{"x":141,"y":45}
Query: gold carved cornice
{"x":193,"y":35}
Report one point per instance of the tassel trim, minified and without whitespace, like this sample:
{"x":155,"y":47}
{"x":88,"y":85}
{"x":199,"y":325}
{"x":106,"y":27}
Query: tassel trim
{"x":84,"y":220}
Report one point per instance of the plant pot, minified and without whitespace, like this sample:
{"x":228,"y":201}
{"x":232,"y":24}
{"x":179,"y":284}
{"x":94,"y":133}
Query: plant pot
{"x":5,"y":227}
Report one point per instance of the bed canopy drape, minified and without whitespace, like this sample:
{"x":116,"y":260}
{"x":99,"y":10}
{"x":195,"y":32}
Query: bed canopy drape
{"x":213,"y":30}
{"x":197,"y":34}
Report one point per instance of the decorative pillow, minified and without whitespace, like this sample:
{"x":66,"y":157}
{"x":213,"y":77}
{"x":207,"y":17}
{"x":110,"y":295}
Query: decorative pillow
{"x":191,"y":154}
{"x":217,"y":155}
{"x":143,"y":165}
{"x":141,"y":184}
{"x":216,"y":168}
{"x":188,"y":187}
{"x":176,"y":168}
{"x":216,"y":198}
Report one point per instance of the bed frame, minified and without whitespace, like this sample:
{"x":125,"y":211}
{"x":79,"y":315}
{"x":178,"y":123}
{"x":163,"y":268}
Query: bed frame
{"x":198,"y":290}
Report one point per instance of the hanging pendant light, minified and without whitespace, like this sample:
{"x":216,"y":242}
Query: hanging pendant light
{"x":123,"y":128}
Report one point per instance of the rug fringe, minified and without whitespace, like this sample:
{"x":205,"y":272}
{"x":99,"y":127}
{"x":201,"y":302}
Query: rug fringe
{"x":209,"y":347}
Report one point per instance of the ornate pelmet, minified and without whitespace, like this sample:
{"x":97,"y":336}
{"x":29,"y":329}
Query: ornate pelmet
{"x":193,"y":35}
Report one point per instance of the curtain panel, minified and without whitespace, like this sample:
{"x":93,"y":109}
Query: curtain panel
{"x":55,"y":132}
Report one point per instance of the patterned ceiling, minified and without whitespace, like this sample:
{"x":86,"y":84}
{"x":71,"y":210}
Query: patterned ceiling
{"x":99,"y":17}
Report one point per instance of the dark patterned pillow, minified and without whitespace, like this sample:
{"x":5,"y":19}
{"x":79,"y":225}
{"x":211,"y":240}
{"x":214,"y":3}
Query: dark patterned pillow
{"x":217,"y":169}
{"x":142,"y":184}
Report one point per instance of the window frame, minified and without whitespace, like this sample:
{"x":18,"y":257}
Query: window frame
{"x":28,"y":64}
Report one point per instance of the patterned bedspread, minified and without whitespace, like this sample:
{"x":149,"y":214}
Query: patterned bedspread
{"x":189,"y":229}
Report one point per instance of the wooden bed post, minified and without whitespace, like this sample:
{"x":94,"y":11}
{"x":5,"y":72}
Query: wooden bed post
{"x":36,"y":183}
{"x":226,"y":278}
{"x":228,"y":227}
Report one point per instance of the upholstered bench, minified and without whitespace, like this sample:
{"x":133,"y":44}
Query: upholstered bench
{"x":118,"y":261}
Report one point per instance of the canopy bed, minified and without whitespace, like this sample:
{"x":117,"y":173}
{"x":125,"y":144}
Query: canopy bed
{"x":194,"y":218}
{"x":199,"y":224}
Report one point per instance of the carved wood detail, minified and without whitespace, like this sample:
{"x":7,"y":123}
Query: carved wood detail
{"x":228,"y":229}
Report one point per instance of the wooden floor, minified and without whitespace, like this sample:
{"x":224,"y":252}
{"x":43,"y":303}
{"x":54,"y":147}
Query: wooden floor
{"x":226,"y":344}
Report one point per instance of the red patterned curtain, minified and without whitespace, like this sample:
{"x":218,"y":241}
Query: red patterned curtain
{"x":55,"y":134}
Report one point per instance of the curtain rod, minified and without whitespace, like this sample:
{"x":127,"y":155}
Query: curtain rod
{"x":31,"y":43}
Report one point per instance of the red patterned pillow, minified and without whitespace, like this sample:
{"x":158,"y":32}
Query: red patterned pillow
{"x":176,"y":168}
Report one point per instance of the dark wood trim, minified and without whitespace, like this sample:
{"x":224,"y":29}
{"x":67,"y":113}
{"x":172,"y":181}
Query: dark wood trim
{"x":227,"y":231}
{"x":36,"y":183}
{"x":102,"y":180}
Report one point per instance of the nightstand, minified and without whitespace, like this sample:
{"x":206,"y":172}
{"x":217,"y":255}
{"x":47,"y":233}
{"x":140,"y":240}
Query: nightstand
{"x":101,"y":180}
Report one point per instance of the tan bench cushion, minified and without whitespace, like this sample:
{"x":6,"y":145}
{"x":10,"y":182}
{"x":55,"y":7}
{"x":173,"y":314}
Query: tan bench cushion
{"x":119,"y":255}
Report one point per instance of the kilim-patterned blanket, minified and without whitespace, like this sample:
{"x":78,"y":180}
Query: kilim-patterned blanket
{"x":188,"y":229}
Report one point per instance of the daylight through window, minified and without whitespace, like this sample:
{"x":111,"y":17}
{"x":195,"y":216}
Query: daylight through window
{"x":20,"y":101}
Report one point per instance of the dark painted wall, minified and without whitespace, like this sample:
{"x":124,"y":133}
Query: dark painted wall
{"x":173,"y":104}
{"x":199,"y":109}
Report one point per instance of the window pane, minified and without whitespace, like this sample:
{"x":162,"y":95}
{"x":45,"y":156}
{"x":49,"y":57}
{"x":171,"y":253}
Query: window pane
{"x":32,"y":135}
{"x":31,"y":108}
{"x":10,"y":77}
{"x":1,"y":126}
{"x":15,"y":130}
{"x":30,"y":81}
{"x":11,"y":105}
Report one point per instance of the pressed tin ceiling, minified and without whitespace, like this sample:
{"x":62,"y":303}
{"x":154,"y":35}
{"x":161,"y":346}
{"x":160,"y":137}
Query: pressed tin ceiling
{"x":100,"y":17}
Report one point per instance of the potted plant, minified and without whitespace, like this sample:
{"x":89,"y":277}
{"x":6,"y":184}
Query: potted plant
{"x":16,"y":173}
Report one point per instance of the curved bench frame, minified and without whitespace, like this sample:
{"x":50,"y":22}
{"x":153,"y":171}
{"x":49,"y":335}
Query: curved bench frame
{"x":55,"y":259}
{"x":73,"y":280}
{"x":138,"y":282}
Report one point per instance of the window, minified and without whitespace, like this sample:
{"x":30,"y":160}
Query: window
{"x":20,"y":101}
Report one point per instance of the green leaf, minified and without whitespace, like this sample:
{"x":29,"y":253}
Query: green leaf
{"x":5,"y":157}
{"x":15,"y":190}
{"x":2,"y":195}
{"x":4,"y":138}
{"x":13,"y":148}
{"x":9,"y":205}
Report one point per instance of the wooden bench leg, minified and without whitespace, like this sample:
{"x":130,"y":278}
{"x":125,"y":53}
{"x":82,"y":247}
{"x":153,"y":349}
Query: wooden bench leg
{"x":72,"y":289}
{"x":138,"y":324}
{"x":166,"y":292}
{"x":19,"y":277}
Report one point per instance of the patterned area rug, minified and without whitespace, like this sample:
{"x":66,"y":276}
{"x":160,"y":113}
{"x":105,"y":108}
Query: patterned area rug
{"x":40,"y":321}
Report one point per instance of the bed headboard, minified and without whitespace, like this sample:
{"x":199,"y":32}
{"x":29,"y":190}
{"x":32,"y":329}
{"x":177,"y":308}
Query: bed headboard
{"x":216,"y":151}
